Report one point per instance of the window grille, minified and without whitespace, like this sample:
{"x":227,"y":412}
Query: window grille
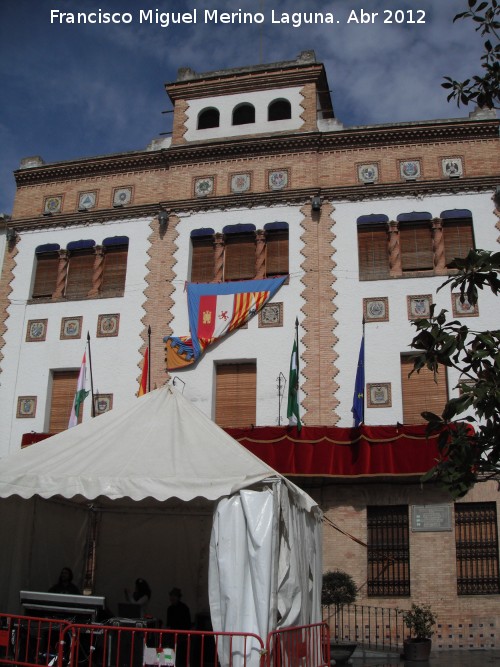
{"x":388,"y":551}
{"x":476,"y":536}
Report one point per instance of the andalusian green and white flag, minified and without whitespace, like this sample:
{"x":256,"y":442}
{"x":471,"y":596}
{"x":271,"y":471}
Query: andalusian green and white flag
{"x":80,"y":395}
{"x":293,"y":411}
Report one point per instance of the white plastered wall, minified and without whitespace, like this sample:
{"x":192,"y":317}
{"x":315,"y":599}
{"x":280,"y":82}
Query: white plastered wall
{"x":27,"y":366}
{"x":386,"y":341}
{"x":226,"y":103}
{"x":270,"y":347}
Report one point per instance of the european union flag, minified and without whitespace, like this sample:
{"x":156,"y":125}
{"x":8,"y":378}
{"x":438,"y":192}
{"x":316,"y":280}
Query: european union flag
{"x":358,"y":402}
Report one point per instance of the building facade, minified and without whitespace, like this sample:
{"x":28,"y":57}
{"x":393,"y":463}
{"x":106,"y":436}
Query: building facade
{"x":260,"y":180}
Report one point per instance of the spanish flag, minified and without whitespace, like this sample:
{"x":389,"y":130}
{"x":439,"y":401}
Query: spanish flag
{"x":144,"y":377}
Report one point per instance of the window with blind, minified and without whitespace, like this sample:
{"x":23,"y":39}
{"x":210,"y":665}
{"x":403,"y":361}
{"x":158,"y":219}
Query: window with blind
{"x":64,"y":385}
{"x":458,"y":238}
{"x":80,"y":272}
{"x":476,"y":537}
{"x":236,"y":394}
{"x":388,"y":551}
{"x":115,"y":269}
{"x":421,"y":392}
{"x":46,"y":270}
{"x":276,"y":250}
{"x":415,"y":241}
{"x":202,"y":258}
{"x":239,"y":256}
{"x":373,"y":251}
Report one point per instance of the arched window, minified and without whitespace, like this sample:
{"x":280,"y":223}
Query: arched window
{"x":279,"y":110}
{"x":372,"y":247}
{"x":244,"y":114}
{"x":207,"y":118}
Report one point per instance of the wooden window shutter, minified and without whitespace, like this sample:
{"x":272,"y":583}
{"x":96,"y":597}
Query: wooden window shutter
{"x":80,"y":272}
{"x":458,"y":238}
{"x":420,"y":392}
{"x":115,"y":271}
{"x":202,"y":259}
{"x":277,"y":253}
{"x":415,"y":240}
{"x":239,"y":257}
{"x":373,"y":252}
{"x":236,"y":395}
{"x":47,"y":265}
{"x":64,"y":385}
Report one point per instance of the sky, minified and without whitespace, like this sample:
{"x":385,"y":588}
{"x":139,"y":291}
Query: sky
{"x":72,"y":90}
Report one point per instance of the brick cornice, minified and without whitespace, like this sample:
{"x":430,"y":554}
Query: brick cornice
{"x":244,"y":81}
{"x":359,"y":192}
{"x":355,"y":138}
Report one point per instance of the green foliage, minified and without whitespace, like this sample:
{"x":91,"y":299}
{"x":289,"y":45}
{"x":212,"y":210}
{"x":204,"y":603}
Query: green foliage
{"x":469,"y":445}
{"x":338,"y":588}
{"x":420,"y":621}
{"x":483,"y":89}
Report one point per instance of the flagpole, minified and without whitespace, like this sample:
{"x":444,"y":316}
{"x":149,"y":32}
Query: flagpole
{"x":149,"y":358}
{"x":91,"y":378}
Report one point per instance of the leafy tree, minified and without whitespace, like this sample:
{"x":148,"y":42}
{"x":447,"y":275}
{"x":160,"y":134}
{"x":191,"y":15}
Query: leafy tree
{"x":484,"y":89}
{"x":469,"y":445}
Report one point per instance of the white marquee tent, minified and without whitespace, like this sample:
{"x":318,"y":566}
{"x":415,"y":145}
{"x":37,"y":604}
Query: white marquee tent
{"x":175,"y":500}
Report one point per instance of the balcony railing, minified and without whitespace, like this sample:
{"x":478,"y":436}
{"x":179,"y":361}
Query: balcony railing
{"x":374,"y":628}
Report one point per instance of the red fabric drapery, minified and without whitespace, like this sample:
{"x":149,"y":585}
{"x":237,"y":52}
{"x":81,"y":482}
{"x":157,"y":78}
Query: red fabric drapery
{"x":329,"y":451}
{"x":342,"y":452}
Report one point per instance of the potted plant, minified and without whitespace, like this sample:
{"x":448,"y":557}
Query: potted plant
{"x":419,"y":620}
{"x":338,"y":590}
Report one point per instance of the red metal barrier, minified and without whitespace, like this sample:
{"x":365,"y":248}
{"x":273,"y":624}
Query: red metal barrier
{"x":26,"y":641}
{"x":125,"y":646}
{"x":299,"y":646}
{"x":39,"y":642}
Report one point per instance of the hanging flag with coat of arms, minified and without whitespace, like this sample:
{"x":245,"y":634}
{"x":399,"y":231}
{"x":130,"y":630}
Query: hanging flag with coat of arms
{"x":216,"y":309}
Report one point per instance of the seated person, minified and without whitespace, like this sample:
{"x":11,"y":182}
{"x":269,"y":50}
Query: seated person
{"x":65,"y":583}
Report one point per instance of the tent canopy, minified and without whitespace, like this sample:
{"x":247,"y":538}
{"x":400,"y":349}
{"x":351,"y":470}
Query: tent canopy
{"x":159,"y":475}
{"x":159,"y":446}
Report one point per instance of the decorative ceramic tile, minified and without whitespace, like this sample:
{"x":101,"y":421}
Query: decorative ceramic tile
{"x":108,"y":325}
{"x":419,"y":306}
{"x":240,"y":182}
{"x":36,"y":331}
{"x":71,"y":328}
{"x":278,"y":180}
{"x":204,"y":186}
{"x":271,"y":315}
{"x":87,"y":200}
{"x":379,"y":395}
{"x":52,"y":204}
{"x":376,"y":309}
{"x":452,"y":167}
{"x":368,"y":173}
{"x":102,"y":403}
{"x":464,"y":309}
{"x":410,"y":169}
{"x":122,"y":196}
{"x":26,"y":407}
